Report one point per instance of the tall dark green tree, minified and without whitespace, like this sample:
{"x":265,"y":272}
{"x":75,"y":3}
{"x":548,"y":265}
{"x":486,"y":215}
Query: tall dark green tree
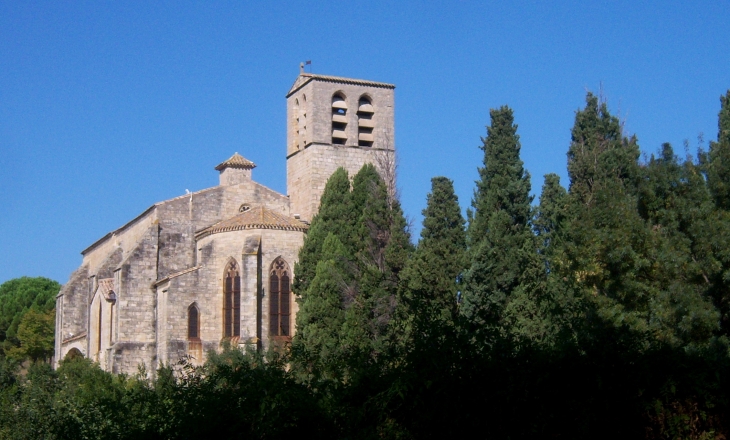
{"x":335,"y":216}
{"x":346,"y":322}
{"x":676,"y":204}
{"x":608,"y":250}
{"x":502,"y":283}
{"x":718,"y":172}
{"x":550,"y":215}
{"x":438,"y":261}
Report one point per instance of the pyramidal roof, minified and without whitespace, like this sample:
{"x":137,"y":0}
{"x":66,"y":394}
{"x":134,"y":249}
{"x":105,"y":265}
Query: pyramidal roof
{"x":236,"y":161}
{"x":254,"y":218}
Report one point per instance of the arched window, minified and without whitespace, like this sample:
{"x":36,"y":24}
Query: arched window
{"x":365,"y":122}
{"x":193,"y":323}
{"x":339,"y":119}
{"x":232,"y":301}
{"x":279,"y":298}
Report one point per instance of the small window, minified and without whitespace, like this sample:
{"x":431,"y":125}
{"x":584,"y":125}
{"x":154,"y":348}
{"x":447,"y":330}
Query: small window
{"x":365,"y":125}
{"x":339,"y":119}
{"x":193,"y":323}
{"x":245,"y":207}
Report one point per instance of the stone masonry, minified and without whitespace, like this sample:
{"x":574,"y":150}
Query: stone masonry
{"x":159,"y":287}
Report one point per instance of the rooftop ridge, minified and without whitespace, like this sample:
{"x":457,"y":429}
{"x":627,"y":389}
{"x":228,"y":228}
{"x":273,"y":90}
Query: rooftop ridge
{"x":305,"y":78}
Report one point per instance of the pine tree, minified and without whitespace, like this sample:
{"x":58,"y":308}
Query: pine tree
{"x":608,"y":251}
{"x":675,"y":202}
{"x":502,"y":248}
{"x":438,"y":261}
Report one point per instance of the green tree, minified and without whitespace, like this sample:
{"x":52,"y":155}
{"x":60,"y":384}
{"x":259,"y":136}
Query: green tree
{"x":608,"y":252}
{"x":502,"y":284}
{"x":17,"y":296}
{"x":440,"y":258}
{"x":346,"y":319}
{"x":36,"y":335}
{"x":718,"y":169}
{"x":334,"y":216}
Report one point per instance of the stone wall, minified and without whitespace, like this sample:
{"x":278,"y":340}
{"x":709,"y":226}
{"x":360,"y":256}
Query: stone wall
{"x":308,"y":171}
{"x":71,"y":314}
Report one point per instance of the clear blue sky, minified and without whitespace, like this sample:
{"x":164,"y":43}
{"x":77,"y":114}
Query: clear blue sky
{"x":109,"y":107}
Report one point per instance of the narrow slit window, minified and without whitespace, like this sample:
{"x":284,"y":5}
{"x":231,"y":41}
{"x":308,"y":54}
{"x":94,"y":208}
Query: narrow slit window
{"x":193,"y":323}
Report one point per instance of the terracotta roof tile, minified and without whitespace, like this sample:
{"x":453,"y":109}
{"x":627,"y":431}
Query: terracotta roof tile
{"x":236,"y":161}
{"x":254,"y":218}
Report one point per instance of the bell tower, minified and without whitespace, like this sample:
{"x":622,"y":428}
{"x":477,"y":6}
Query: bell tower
{"x":334,"y":122}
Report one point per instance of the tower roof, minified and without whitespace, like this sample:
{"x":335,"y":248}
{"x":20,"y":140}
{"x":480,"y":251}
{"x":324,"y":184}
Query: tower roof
{"x":254,"y":218}
{"x":305,"y":78}
{"x":236,"y":161}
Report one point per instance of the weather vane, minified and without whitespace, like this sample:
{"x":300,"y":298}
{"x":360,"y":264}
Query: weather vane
{"x":305,"y":63}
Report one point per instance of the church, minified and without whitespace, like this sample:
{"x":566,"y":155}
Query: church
{"x":216,"y":265}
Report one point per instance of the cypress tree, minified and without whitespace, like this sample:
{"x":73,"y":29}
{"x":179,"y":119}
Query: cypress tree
{"x":550,"y":214}
{"x":317,"y":344}
{"x":345,"y":323}
{"x":718,"y":173}
{"x":335,"y":217}
{"x":502,"y":248}
{"x":438,"y":261}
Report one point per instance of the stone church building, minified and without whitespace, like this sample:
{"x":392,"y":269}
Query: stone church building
{"x":217,"y":265}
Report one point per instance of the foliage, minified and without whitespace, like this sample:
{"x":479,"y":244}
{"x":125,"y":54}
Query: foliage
{"x":19,"y":295}
{"x":502,"y":284}
{"x":35,"y":334}
{"x":602,"y":312}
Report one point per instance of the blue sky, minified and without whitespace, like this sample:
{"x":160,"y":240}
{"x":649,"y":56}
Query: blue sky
{"x":108,"y":107}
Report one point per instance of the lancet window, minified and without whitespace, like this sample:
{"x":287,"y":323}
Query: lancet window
{"x":279,"y":298}
{"x":232,"y":301}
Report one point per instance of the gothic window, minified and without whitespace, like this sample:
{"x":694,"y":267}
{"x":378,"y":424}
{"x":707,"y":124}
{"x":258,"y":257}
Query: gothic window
{"x":193,"y":323}
{"x":232,"y":301}
{"x":365,"y":125}
{"x":339,"y":119}
{"x":279,"y":298}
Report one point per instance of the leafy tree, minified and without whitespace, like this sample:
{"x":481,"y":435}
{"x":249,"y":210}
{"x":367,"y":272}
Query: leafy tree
{"x":19,"y":295}
{"x":502,"y":284}
{"x":36,"y":335}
